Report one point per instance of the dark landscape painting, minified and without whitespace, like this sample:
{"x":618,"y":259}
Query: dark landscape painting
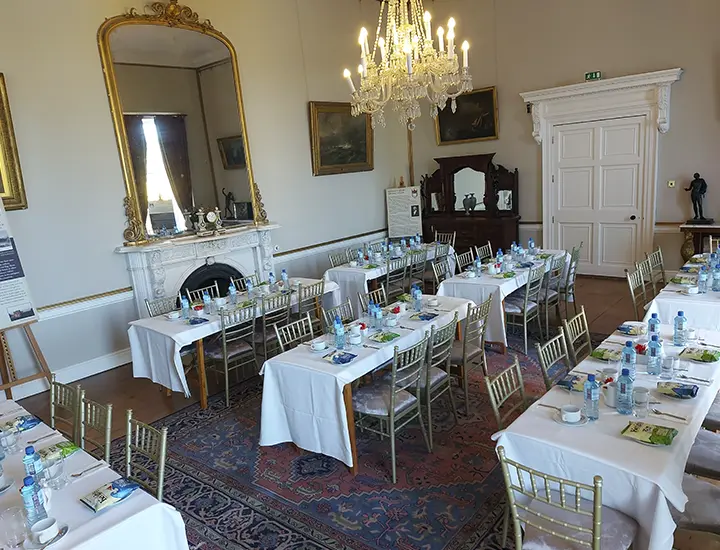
{"x":475,"y":118}
{"x":340,"y":142}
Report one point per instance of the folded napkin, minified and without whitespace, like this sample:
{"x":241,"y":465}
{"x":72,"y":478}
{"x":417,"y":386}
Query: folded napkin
{"x":649,"y":433}
{"x":384,"y":337}
{"x":677,"y":390}
{"x":606,"y":354}
{"x":680,"y":280}
{"x":526,"y":265}
{"x":21,"y":423}
{"x":508,"y":275}
{"x":423,"y":316}
{"x":689,"y":269}
{"x":339,"y":357}
{"x":632,"y":330}
{"x":544,"y":256}
{"x":701,"y":355}
{"x":572,"y":382}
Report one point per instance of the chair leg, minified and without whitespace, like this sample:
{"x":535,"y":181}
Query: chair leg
{"x":525,"y":332}
{"x":547,"y":323}
{"x":574,"y":302}
{"x":227,"y":386}
{"x":506,"y":524}
{"x":429,"y":416}
{"x":422,"y":428}
{"x":467,"y":392}
{"x":392,"y":448}
{"x":452,"y":401}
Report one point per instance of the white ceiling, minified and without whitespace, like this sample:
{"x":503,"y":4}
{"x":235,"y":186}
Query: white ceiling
{"x":166,"y":46}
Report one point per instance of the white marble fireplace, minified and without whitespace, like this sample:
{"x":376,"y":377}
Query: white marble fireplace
{"x":159,"y":269}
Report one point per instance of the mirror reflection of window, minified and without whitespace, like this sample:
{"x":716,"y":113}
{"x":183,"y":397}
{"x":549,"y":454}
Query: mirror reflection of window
{"x":469,"y":184}
{"x":504,"y":199}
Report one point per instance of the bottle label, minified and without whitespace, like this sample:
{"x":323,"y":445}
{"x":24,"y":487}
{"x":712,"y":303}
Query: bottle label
{"x":592,"y":394}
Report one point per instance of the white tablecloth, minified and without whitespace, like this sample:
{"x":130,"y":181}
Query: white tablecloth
{"x":155,"y":342}
{"x":139,"y":522}
{"x":303,"y":394}
{"x":641,"y":481}
{"x":479,"y":289}
{"x":354,"y":280}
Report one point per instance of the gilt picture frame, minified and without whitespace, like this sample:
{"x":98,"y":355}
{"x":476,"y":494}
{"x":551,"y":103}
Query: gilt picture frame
{"x":475,"y":119}
{"x":340,"y":143}
{"x":12,"y":189}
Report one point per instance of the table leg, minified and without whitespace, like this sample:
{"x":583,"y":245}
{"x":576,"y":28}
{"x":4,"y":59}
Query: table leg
{"x":201,"y":373}
{"x":347,"y":395}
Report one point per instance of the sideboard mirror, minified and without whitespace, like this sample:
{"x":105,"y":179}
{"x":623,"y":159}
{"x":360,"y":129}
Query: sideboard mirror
{"x":174,"y":89}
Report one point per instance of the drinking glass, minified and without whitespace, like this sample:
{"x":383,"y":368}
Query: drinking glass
{"x":9,"y":442}
{"x":12,"y":521}
{"x":53,"y":474}
{"x":669,"y":366}
{"x":641,"y":399}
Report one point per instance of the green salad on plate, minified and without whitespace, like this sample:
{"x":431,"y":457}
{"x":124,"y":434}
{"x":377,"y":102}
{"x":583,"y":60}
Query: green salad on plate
{"x":606,"y":354}
{"x":701,"y":355}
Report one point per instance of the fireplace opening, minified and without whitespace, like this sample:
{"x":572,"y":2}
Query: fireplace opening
{"x":206,"y":275}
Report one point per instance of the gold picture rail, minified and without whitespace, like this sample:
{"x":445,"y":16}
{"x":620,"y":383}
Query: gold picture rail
{"x":86,"y":298}
{"x":327,"y":243}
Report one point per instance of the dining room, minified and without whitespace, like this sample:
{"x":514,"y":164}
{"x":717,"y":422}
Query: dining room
{"x":358,"y":274}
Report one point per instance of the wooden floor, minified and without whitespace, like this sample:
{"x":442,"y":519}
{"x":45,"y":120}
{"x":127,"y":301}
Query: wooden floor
{"x":606,"y":303}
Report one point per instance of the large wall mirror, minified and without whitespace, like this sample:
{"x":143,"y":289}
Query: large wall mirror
{"x":176,"y":102}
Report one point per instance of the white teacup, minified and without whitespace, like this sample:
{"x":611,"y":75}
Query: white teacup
{"x":353,"y":263}
{"x":355,"y":330}
{"x":692,"y":290}
{"x":390,"y":322}
{"x":432,"y":302}
{"x":318,"y":345}
{"x":570,"y":413}
{"x":609,"y":392}
{"x":471,"y":274}
{"x":220,"y":302}
{"x":355,"y":339}
{"x":173,"y":315}
{"x":403,"y":307}
{"x":44,"y":530}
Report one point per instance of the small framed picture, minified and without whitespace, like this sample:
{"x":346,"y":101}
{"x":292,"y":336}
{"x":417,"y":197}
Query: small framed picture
{"x":232,"y":152}
{"x":475,"y":119}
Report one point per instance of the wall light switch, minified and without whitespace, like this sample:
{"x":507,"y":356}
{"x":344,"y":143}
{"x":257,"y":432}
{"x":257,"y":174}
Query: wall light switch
{"x":671,"y":183}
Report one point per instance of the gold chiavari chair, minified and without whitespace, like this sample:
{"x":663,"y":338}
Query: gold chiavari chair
{"x":657,"y":266}
{"x":344,"y":311}
{"x":377,"y":296}
{"x":463,"y":260}
{"x":522,"y":307}
{"x":554,"y":359}
{"x":567,"y":287}
{"x":483,"y":252}
{"x":197,"y":295}
{"x":445,"y":238}
{"x":95,"y":419}
{"x":293,"y":334}
{"x":145,"y":453}
{"x":396,"y":277}
{"x":638,"y":293}
{"x":577,"y":337}
{"x":65,"y":409}
{"x":502,"y":387}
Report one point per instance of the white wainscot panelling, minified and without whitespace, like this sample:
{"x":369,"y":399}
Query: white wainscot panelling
{"x":619,"y":186}
{"x":576,"y":187}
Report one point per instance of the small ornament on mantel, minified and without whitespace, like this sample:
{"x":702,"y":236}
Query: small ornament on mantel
{"x":402,"y":182}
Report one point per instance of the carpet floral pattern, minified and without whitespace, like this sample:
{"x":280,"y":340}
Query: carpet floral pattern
{"x":234,"y":494}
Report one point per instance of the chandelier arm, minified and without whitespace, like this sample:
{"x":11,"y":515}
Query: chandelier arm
{"x":379,"y":28}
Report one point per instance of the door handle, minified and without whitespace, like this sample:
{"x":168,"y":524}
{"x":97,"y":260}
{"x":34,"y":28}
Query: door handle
{"x":633,"y":217}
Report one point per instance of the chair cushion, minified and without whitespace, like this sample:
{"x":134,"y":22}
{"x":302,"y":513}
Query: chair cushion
{"x":236,"y":347}
{"x":375,"y":399}
{"x":550,"y":293}
{"x":702,"y":510}
{"x":456,"y":354}
{"x":704,"y":459}
{"x":712,"y":420}
{"x":515,"y":305}
{"x":436,"y":375}
{"x":258,"y":336}
{"x":618,"y":530}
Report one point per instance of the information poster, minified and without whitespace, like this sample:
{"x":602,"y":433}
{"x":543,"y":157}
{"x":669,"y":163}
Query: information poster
{"x":403,"y":211}
{"x":16,"y":307}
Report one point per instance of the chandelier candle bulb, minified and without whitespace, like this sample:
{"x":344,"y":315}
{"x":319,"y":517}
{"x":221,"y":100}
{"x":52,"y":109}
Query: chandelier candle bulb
{"x":466,"y":55}
{"x":451,"y":44}
{"x":363,"y":41}
{"x":441,"y":39}
{"x":348,"y":77}
{"x":428,"y":25}
{"x":381,"y":43}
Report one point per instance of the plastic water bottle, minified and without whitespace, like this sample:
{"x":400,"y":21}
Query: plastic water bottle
{"x":33,"y":463}
{"x":680,"y":324}
{"x":531,"y":245}
{"x":592,"y":398}
{"x":339,"y":334}
{"x":629,"y":358}
{"x":232,"y":292}
{"x":702,"y":280}
{"x":271,"y":280}
{"x":33,"y":502}
{"x":654,"y":356}
{"x":378,"y":317}
{"x":499,"y":256}
{"x":185,"y":306}
{"x":716,"y":278}
{"x":360,"y":257}
{"x":625,"y":393}
{"x":417,"y":299}
{"x":371,"y":313}
{"x":418,"y":239}
{"x":207,"y":303}
{"x":249,"y":287}
{"x":285,"y":279}
{"x":653,"y":325}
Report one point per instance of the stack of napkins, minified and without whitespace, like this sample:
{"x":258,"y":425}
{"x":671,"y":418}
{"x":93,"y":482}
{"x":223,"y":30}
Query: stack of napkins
{"x":632,"y":330}
{"x":572,"y":382}
{"x":606,"y":354}
{"x":677,"y":390}
{"x":649,"y":433}
{"x":701,"y":355}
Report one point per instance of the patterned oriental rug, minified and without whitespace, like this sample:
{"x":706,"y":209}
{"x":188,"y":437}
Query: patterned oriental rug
{"x":234,"y":494}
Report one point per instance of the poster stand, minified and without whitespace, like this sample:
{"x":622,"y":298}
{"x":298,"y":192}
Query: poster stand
{"x":7,"y":365}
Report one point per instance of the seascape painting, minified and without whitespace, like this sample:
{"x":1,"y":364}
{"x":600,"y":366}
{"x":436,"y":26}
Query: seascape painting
{"x":475,"y":119}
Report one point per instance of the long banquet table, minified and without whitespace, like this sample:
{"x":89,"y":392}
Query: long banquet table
{"x":155,"y":344}
{"x":308,"y":401}
{"x":139,"y":522}
{"x":641,"y":481}
{"x":479,"y":289}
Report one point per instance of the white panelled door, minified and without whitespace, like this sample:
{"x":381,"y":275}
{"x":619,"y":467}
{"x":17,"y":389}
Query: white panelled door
{"x":597,"y":192}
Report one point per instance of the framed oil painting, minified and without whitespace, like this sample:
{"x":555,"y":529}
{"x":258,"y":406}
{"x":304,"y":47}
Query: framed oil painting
{"x":12,"y":189}
{"x":232,"y":152}
{"x":475,"y":119}
{"x":340,"y":142}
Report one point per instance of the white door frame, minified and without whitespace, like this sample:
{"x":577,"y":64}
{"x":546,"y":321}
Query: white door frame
{"x":646,"y":94}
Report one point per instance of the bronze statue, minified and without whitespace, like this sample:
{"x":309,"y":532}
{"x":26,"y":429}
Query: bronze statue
{"x":229,"y":204}
{"x":697,"y":189}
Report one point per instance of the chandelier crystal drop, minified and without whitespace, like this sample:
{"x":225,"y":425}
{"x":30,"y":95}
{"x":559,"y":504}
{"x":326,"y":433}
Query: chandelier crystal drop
{"x":407,"y":65}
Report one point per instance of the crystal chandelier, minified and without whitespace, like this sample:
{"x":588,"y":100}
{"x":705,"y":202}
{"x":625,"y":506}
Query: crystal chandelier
{"x":410,"y":67}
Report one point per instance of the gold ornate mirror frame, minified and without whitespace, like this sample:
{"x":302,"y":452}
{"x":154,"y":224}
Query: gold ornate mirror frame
{"x":178,"y":16}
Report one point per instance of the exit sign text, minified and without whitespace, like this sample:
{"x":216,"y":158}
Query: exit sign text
{"x":593,"y":75}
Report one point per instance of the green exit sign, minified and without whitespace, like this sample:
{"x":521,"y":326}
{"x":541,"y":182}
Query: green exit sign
{"x":594,"y":75}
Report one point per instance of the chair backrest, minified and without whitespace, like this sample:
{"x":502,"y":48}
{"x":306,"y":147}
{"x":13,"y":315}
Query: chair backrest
{"x":465,"y":259}
{"x":645,"y":268}
{"x":238,"y":324}
{"x":484,"y":251}
{"x":407,"y":367}
{"x":396,"y":277}
{"x":557,"y":269}
{"x":714,"y":243}
{"x":554,"y":356}
{"x":502,"y":387}
{"x":197,"y":295}
{"x":161,"y":306}
{"x":145,"y":452}
{"x":533,"y":286}
{"x":310,"y":298}
{"x":440,"y":347}
{"x":377,"y":246}
{"x":417,"y":261}
{"x":241,"y":282}
{"x":572,"y":268}
{"x":95,"y":419}
{"x":338,"y":257}
{"x":275,"y":310}
{"x":658,"y":266}
{"x":344,"y":311}
{"x":445,"y":238}
{"x":638,"y":293}
{"x":377,"y":296}
{"x":442,"y":250}
{"x":293,"y":334}
{"x":542,"y":494}
{"x":476,"y":322}
{"x":65,"y":409}
{"x":577,"y":336}
{"x":441,"y":270}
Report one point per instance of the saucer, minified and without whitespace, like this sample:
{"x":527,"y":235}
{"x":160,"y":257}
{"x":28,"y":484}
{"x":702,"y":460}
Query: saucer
{"x":583,"y":420}
{"x":319,"y":350}
{"x":30,"y":545}
{"x":3,"y":489}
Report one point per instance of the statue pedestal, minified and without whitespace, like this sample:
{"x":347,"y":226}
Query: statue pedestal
{"x":700,"y":221}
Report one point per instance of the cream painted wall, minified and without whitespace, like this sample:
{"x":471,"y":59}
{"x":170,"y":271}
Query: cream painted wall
{"x":223,"y":120}
{"x":523,"y":45}
{"x":158,"y":90}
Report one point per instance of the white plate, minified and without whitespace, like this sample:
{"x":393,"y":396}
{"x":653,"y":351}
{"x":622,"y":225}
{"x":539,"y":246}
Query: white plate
{"x":583,"y":420}
{"x":30,"y":545}
{"x":3,"y":489}
{"x":324,"y":350}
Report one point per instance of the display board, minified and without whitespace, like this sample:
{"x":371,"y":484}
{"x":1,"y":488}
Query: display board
{"x":16,"y":306}
{"x":403,"y":211}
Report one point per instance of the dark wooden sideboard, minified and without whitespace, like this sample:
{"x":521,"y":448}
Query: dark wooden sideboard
{"x":495,"y":215}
